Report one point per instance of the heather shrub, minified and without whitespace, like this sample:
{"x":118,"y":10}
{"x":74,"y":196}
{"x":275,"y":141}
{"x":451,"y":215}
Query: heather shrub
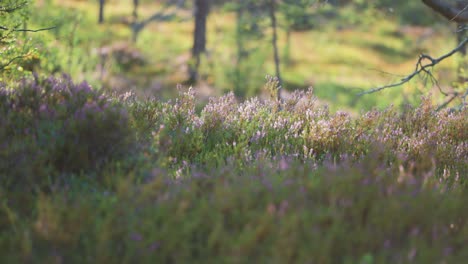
{"x":54,"y":126}
{"x":296,"y":127}
{"x":255,"y":181}
{"x":285,"y":211}
{"x":423,"y":132}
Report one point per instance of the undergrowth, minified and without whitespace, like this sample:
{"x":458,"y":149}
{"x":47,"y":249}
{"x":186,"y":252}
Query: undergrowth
{"x":120,"y":180}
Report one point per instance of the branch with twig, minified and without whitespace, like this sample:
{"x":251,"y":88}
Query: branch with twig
{"x":27,"y":30}
{"x":420,"y":68}
{"x":448,"y":101}
{"x":2,"y":67}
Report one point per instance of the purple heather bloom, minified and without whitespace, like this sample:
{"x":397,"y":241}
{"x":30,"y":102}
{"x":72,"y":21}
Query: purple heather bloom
{"x":283,"y":164}
{"x":448,"y":251}
{"x":136,"y":237}
{"x":154,"y":246}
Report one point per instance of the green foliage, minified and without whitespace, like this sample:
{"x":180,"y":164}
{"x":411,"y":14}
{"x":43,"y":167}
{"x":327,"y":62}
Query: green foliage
{"x":251,"y":49}
{"x":67,"y":47}
{"x":24,"y":51}
{"x":299,"y":15}
{"x":14,"y":45}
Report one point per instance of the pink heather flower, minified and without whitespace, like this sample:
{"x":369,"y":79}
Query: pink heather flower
{"x":283,"y":164}
{"x":154,"y":246}
{"x":136,"y":237}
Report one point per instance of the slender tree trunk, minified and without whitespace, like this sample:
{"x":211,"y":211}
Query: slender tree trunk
{"x":25,"y":26}
{"x":135,"y":10}
{"x":461,"y":35}
{"x":462,"y":26}
{"x":239,"y":46}
{"x":135,"y":21}
{"x":101,"y":12}
{"x":287,"y":48}
{"x":181,"y":3}
{"x":202,"y":8}
{"x":275,"y":42}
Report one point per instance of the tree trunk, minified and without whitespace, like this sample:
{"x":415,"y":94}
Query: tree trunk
{"x":274,"y":43}
{"x":462,"y":26}
{"x":458,"y":13}
{"x":135,"y":10}
{"x":461,"y":35}
{"x":287,"y":48}
{"x":101,"y":12}
{"x":135,"y":21}
{"x":239,"y":46}
{"x":202,"y":8}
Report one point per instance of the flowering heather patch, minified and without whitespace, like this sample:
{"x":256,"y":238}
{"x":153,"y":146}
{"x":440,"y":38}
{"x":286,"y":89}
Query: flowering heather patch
{"x":227,"y":129}
{"x":55,"y":126}
{"x":254,"y":181}
{"x":266,"y":213}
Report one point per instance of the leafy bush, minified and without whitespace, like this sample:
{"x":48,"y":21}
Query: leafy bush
{"x":54,"y":126}
{"x":15,"y":48}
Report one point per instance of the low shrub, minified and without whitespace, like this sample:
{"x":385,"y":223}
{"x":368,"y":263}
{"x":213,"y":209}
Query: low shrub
{"x":297,"y":127}
{"x":285,"y":211}
{"x":53,"y":126}
{"x":256,"y":181}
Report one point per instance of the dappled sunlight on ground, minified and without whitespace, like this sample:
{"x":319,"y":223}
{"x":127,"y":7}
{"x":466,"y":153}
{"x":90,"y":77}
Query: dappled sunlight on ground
{"x":352,"y":58}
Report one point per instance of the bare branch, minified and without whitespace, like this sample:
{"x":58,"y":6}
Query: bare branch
{"x":28,"y":30}
{"x":6,"y":36}
{"x":420,"y":67}
{"x":447,"y":102}
{"x":2,"y":67}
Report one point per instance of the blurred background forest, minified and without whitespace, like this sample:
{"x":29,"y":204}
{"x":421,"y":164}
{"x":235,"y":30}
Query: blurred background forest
{"x":338,"y":47}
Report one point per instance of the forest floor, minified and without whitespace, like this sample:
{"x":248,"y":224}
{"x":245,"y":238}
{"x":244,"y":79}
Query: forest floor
{"x":338,"y":61}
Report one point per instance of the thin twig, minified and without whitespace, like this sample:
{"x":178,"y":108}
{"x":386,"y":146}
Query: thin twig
{"x":459,"y":13}
{"x":420,"y":67}
{"x":12,"y":60}
{"x":384,"y":72}
{"x":443,"y":105}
